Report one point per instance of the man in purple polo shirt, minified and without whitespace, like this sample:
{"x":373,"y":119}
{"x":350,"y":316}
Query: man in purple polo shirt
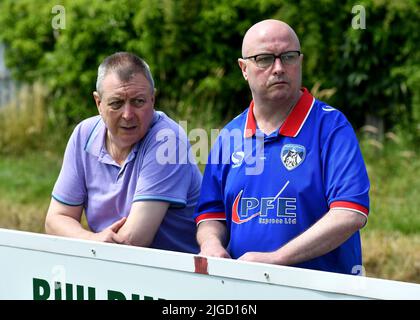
{"x":128,"y":168}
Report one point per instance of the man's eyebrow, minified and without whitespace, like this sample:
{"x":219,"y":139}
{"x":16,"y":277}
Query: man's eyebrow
{"x":114,"y":98}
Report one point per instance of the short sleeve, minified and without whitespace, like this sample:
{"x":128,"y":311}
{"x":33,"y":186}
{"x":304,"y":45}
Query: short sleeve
{"x":345,"y":175}
{"x":211,"y":203}
{"x":165,"y":173}
{"x":70,"y":187}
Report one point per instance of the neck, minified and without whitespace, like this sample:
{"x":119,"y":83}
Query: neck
{"x":270,"y":115}
{"x":117,"y":153}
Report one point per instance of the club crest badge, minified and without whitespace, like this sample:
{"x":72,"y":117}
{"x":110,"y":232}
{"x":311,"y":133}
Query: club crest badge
{"x":292,"y":155}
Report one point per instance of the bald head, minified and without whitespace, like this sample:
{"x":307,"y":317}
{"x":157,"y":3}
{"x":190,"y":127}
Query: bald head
{"x":268,"y":33}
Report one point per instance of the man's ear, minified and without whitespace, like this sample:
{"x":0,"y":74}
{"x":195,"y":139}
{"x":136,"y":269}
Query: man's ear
{"x":97,"y":100}
{"x":242,"y":65}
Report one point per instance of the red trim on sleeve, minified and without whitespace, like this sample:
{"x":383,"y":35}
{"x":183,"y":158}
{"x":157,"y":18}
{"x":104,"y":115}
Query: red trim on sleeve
{"x":210,"y":216}
{"x":349,"y":205}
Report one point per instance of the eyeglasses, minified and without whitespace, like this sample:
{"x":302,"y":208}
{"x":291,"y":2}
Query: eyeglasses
{"x":266,"y":60}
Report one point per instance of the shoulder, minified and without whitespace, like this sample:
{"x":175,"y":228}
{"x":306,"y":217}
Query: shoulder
{"x":161,"y":121}
{"x":328,"y":112}
{"x":163,"y":125}
{"x":331,"y":124}
{"x":328,"y":117}
{"x":238,"y":122}
{"x":234,"y":129}
{"x":88,"y":125}
{"x":85,"y":130}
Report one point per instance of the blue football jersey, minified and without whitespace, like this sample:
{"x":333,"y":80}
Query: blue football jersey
{"x":271,"y":188}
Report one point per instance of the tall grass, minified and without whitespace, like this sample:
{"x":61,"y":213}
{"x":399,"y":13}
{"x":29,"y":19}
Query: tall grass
{"x":391,"y":238}
{"x":393,"y":166}
{"x":30,"y":158}
{"x":391,"y":255}
{"x":26,"y":182}
{"x":23,"y":121}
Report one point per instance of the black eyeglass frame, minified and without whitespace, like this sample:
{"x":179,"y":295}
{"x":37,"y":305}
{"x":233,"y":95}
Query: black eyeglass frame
{"x":273,"y":55}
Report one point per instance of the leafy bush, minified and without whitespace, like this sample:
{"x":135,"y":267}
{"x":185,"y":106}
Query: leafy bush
{"x":193,"y":46}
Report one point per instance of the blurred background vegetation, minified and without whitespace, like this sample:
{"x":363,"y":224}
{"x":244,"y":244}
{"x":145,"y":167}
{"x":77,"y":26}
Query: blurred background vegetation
{"x":372,"y":75}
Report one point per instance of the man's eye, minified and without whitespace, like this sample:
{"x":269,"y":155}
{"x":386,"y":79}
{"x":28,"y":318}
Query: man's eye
{"x":115,"y":104}
{"x":139,"y":102}
{"x":265,"y":59}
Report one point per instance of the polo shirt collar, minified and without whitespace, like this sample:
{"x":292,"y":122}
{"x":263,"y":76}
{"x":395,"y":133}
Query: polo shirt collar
{"x":96,"y":138}
{"x":294,"y":121}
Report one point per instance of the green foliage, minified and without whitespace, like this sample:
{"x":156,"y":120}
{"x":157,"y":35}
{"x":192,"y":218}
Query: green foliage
{"x":193,"y":46}
{"x":27,"y":36}
{"x":379,"y":72}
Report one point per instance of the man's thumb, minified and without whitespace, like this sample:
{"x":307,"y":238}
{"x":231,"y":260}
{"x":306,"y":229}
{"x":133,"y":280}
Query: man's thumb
{"x":118,"y":224}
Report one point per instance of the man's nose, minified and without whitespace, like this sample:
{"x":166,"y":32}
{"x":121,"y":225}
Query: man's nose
{"x":278,"y":66}
{"x":128,"y":111}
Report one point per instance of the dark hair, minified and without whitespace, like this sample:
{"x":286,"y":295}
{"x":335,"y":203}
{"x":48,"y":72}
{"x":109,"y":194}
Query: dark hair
{"x":126,"y":65}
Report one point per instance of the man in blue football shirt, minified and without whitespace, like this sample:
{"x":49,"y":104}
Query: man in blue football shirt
{"x":304,"y":196}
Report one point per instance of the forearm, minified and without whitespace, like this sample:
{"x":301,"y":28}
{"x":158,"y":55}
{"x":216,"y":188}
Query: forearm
{"x":212,"y":238}
{"x":324,"y":236}
{"x":63,"y":220}
{"x":143,"y":223}
{"x":62,"y":225}
{"x":211,"y":232}
{"x":132,"y":236}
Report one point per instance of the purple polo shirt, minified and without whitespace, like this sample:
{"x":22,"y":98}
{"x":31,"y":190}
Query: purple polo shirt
{"x":157,"y":168}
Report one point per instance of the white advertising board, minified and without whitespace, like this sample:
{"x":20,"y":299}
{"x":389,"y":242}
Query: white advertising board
{"x":38,"y":267}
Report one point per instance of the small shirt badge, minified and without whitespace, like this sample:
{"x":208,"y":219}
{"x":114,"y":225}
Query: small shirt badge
{"x":292,"y":155}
